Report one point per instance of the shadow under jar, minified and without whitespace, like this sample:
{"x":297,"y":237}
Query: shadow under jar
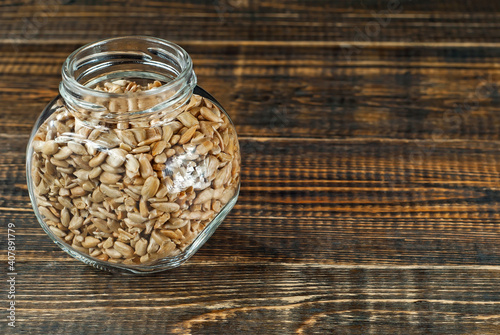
{"x":133,"y":166}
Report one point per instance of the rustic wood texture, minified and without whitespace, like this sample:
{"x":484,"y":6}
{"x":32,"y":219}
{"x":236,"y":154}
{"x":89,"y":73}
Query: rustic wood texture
{"x":370,"y":176}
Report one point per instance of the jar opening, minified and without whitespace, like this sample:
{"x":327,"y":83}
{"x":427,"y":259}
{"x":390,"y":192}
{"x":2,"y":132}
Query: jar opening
{"x":140,"y":59}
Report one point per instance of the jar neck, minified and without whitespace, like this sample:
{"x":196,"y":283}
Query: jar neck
{"x":135,"y":58}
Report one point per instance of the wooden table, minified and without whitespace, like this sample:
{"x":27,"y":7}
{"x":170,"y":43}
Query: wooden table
{"x":370,"y":179}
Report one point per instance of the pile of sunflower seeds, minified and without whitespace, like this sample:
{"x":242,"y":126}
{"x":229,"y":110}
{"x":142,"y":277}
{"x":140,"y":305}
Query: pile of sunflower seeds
{"x":134,"y":192}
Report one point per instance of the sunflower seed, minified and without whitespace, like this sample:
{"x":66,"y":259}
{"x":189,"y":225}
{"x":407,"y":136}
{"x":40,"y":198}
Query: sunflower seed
{"x":50,"y":148}
{"x":124,"y":249}
{"x":101,"y":224}
{"x":63,"y":153}
{"x":187,"y":119}
{"x":204,"y":196}
{"x":109,"y":178}
{"x":77,"y":148}
{"x":90,"y":242}
{"x":175,"y":223}
{"x":98,"y":160}
{"x":186,"y":137}
{"x":158,"y":148}
{"x":159,"y":238}
{"x":95,"y":172}
{"x":141,"y":247}
{"x":58,"y":232}
{"x":113,"y":253}
{"x":145,"y":167}
{"x":109,"y":191}
{"x":75,"y":223}
{"x":209,"y":115}
{"x":150,"y":187}
{"x":48,"y":214}
{"x":65,"y":217}
{"x":132,"y":164}
{"x":204,"y":147}
{"x":167,"y":207}
{"x":116,"y":157}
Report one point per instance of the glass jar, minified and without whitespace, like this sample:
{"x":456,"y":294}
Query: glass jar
{"x":133,"y":166}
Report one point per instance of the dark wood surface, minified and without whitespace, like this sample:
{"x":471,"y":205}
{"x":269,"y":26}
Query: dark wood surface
{"x":370,"y":199}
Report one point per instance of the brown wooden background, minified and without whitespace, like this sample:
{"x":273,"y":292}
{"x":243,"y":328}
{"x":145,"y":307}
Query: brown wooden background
{"x":370,"y":199}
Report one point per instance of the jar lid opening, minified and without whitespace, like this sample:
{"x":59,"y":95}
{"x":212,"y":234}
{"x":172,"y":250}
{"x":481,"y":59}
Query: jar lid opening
{"x":136,"y":58}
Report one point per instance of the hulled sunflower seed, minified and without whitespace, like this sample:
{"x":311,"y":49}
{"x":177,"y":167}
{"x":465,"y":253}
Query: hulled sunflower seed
{"x":109,"y":178}
{"x":132,"y":164}
{"x":63,"y":153}
{"x":158,"y":148}
{"x":167,"y":207}
{"x":186,"y":137}
{"x":209,"y":115}
{"x":90,"y":242}
{"x":48,"y":214}
{"x":187,"y":119}
{"x":101,"y":224}
{"x":141,"y":247}
{"x":175,"y":223}
{"x":65,"y":217}
{"x":77,"y":148}
{"x":109,"y":191}
{"x":113,"y":253}
{"x":204,"y":147}
{"x":50,"y":148}
{"x":95,"y":172}
{"x":98,"y":160}
{"x":58,"y":232}
{"x":116,"y":157}
{"x":75,"y":223}
{"x":145,"y":167}
{"x":150,"y":187}
{"x":204,"y":196}
{"x":124,"y":249}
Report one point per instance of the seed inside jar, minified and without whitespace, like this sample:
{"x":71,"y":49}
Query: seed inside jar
{"x":135,"y":190}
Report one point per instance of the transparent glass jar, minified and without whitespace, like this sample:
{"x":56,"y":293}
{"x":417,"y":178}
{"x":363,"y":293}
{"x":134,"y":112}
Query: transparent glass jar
{"x":133,"y":166}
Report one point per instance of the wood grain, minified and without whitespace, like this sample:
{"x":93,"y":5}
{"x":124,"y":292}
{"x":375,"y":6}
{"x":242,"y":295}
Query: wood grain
{"x":411,"y":94}
{"x":370,"y":176}
{"x":344,"y":201}
{"x":261,"y":298}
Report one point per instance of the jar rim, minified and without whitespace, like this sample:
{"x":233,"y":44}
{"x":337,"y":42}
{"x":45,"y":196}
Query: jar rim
{"x":68,"y":71}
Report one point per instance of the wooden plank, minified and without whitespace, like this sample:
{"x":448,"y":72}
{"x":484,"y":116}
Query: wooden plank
{"x":409,"y":94}
{"x":252,"y":20}
{"x":343,"y":241}
{"x":269,"y":297}
{"x":424,"y":173}
{"x":338,"y":202}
